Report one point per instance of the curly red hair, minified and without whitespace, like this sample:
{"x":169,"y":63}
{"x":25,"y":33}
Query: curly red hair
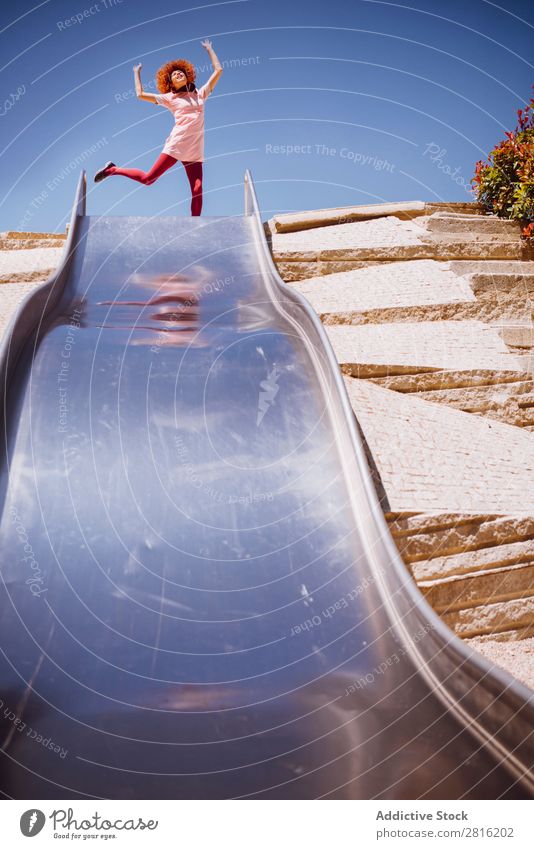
{"x":163,"y":76}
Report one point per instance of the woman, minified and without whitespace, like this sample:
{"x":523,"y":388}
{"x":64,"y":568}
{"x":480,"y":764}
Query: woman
{"x":176,"y":82}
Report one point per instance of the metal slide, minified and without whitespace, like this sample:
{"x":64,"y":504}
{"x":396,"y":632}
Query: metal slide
{"x":200,"y":597}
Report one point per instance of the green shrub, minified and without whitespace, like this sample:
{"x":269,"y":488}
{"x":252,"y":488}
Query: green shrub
{"x":505,"y":183}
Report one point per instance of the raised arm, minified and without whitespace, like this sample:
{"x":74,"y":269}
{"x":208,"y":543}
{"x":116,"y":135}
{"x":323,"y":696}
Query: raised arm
{"x":141,"y":95}
{"x":217,"y":67}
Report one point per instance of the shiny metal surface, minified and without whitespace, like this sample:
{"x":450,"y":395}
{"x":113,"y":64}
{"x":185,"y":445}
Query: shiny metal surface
{"x":200,"y":597}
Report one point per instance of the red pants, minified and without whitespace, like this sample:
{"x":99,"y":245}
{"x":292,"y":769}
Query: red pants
{"x":162,"y":164}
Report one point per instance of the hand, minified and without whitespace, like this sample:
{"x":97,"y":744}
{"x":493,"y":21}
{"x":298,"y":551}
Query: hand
{"x":137,"y":68}
{"x":207,"y":44}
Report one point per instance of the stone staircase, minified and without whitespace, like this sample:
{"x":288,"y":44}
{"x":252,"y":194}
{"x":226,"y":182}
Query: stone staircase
{"x":429,"y":311}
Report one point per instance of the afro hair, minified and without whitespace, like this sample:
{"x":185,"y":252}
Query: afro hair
{"x":163,"y":76}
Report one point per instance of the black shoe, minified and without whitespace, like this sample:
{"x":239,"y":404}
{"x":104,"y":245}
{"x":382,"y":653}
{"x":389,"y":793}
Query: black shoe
{"x":101,"y":175}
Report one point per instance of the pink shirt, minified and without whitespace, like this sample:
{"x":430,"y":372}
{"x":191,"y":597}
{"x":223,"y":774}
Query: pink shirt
{"x":186,"y":140}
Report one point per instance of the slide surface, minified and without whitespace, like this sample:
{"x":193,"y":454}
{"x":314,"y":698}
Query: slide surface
{"x":199,"y":594}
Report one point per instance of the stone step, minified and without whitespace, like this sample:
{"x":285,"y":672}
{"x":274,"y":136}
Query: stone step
{"x":489,"y":619}
{"x":20,"y":244}
{"x":439,"y":380}
{"x":346,"y":240}
{"x":386,"y":287}
{"x":26,"y":276}
{"x":446,"y":222}
{"x":296,"y":270}
{"x":438,"y":249}
{"x":488,"y":309}
{"x":27,"y":234}
{"x":11,"y":240}
{"x":454,"y":594}
{"x":388,"y":349}
{"x":490,"y":266}
{"x":406,"y":525}
{"x":465,"y":563}
{"x":456,"y":207}
{"x":512,"y":636}
{"x":292,"y":221}
{"x":512,"y":282}
{"x":509,"y":402}
{"x":430,"y":537}
{"x":293,"y":272}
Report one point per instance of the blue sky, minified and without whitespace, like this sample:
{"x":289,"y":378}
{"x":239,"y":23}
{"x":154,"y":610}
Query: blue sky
{"x":328,"y":103}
